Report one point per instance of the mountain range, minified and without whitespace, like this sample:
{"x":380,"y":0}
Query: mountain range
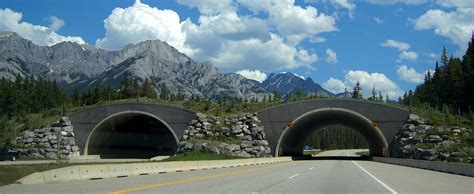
{"x":84,"y":66}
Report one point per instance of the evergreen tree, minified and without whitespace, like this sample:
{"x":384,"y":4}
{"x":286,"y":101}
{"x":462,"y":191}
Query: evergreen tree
{"x":76,"y":97}
{"x":299,"y":94}
{"x":374,"y":94}
{"x":109,"y":93}
{"x":148,"y":90}
{"x":164,"y":92}
{"x":276,"y":96}
{"x":356,"y":94}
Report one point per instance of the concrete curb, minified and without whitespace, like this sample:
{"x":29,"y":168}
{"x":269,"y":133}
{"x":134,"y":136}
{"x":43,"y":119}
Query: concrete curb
{"x":453,"y":168}
{"x":102,"y":171}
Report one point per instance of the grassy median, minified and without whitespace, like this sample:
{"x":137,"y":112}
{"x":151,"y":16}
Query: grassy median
{"x":10,"y":173}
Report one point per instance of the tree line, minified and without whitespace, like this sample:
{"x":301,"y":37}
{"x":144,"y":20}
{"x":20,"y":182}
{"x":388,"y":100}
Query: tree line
{"x":450,"y":87}
{"x":336,"y":137}
{"x":129,"y":88}
{"x":29,"y":95}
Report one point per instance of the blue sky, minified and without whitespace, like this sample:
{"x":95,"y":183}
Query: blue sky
{"x":386,"y":43}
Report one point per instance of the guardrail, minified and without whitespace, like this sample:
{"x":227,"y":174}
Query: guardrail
{"x":453,"y":168}
{"x":102,"y":171}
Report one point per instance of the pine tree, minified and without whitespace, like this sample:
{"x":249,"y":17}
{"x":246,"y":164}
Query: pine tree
{"x":444,"y":57}
{"x":374,"y":94}
{"x":109,"y":93}
{"x":126,"y":90}
{"x":164,"y":92}
{"x":148,"y":90}
{"x":276,"y":96}
{"x":299,"y":94}
{"x":356,"y":94}
{"x":76,"y":97}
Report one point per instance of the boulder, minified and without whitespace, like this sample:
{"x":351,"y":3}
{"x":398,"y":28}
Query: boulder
{"x":68,"y":141}
{"x":432,"y":139}
{"x":246,"y":144}
{"x":243,"y":154}
{"x":213,"y":150}
{"x":201,"y":115}
{"x":28,"y":134}
{"x":68,"y":128}
{"x":456,"y":130}
{"x":50,"y":155}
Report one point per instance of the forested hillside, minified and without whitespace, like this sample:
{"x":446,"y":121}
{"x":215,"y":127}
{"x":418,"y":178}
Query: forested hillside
{"x":450,"y":87}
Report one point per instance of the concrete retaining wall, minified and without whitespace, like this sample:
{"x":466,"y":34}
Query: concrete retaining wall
{"x":453,"y":168}
{"x":102,"y":171}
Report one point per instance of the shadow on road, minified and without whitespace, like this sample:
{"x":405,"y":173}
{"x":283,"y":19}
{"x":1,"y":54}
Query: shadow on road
{"x":330,"y":158}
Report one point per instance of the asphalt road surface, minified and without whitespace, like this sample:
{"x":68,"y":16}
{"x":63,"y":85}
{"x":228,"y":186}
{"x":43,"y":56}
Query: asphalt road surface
{"x":309,"y":176}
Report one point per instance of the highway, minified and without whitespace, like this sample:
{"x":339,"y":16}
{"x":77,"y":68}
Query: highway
{"x":307,"y":176}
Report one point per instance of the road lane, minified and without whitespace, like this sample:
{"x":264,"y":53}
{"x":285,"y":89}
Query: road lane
{"x":311,"y":176}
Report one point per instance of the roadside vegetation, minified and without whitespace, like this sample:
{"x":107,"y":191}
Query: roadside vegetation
{"x":445,"y":99}
{"x":10,"y":173}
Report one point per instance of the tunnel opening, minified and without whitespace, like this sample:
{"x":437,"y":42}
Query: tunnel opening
{"x":131,"y":135}
{"x":334,"y":137}
{"x":294,"y":138}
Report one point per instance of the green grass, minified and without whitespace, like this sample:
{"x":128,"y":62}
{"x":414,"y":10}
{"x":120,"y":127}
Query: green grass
{"x":311,"y":152}
{"x":10,"y":173}
{"x":197,"y":155}
{"x":438,"y":118}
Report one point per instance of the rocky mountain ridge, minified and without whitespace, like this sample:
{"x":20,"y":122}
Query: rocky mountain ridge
{"x":287,"y":82}
{"x":84,"y":66}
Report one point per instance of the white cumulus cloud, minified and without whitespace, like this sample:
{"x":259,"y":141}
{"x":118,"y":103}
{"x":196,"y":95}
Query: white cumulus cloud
{"x":293,"y":22}
{"x":334,"y":85}
{"x":40,"y":35}
{"x":456,"y":25}
{"x":209,"y":7}
{"x":408,"y":55}
{"x":401,"y":46}
{"x":391,"y":2}
{"x":345,"y":4}
{"x":410,"y":75}
{"x":331,"y":56}
{"x":367,"y":80}
{"x":141,"y":22}
{"x":456,"y":3}
{"x":56,"y":23}
{"x":256,"y":75}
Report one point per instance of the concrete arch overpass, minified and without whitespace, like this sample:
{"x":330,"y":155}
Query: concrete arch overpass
{"x":288,"y":125}
{"x":143,"y":130}
{"x":130,"y":130}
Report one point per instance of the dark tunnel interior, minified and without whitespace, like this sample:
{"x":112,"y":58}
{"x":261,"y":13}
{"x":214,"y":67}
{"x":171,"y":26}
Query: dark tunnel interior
{"x":132,"y":135}
{"x":293,"y":140}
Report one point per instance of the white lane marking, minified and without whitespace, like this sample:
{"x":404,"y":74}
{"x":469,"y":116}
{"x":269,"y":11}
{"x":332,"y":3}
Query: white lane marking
{"x":294,"y":176}
{"x":383,"y":184}
{"x":311,"y":168}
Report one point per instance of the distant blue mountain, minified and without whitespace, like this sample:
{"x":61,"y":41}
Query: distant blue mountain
{"x":289,"y":82}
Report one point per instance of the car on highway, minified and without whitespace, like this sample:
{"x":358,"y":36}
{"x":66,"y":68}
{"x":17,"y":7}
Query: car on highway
{"x":8,"y":154}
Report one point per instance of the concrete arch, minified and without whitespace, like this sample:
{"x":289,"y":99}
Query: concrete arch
{"x":291,"y":141}
{"x":129,"y":113}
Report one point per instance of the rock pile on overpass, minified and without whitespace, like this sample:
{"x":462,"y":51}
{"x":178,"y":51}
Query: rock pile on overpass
{"x":418,"y":139}
{"x":43,"y":143}
{"x":236,"y":135}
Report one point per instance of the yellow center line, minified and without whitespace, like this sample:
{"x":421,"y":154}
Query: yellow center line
{"x":140,"y":188}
